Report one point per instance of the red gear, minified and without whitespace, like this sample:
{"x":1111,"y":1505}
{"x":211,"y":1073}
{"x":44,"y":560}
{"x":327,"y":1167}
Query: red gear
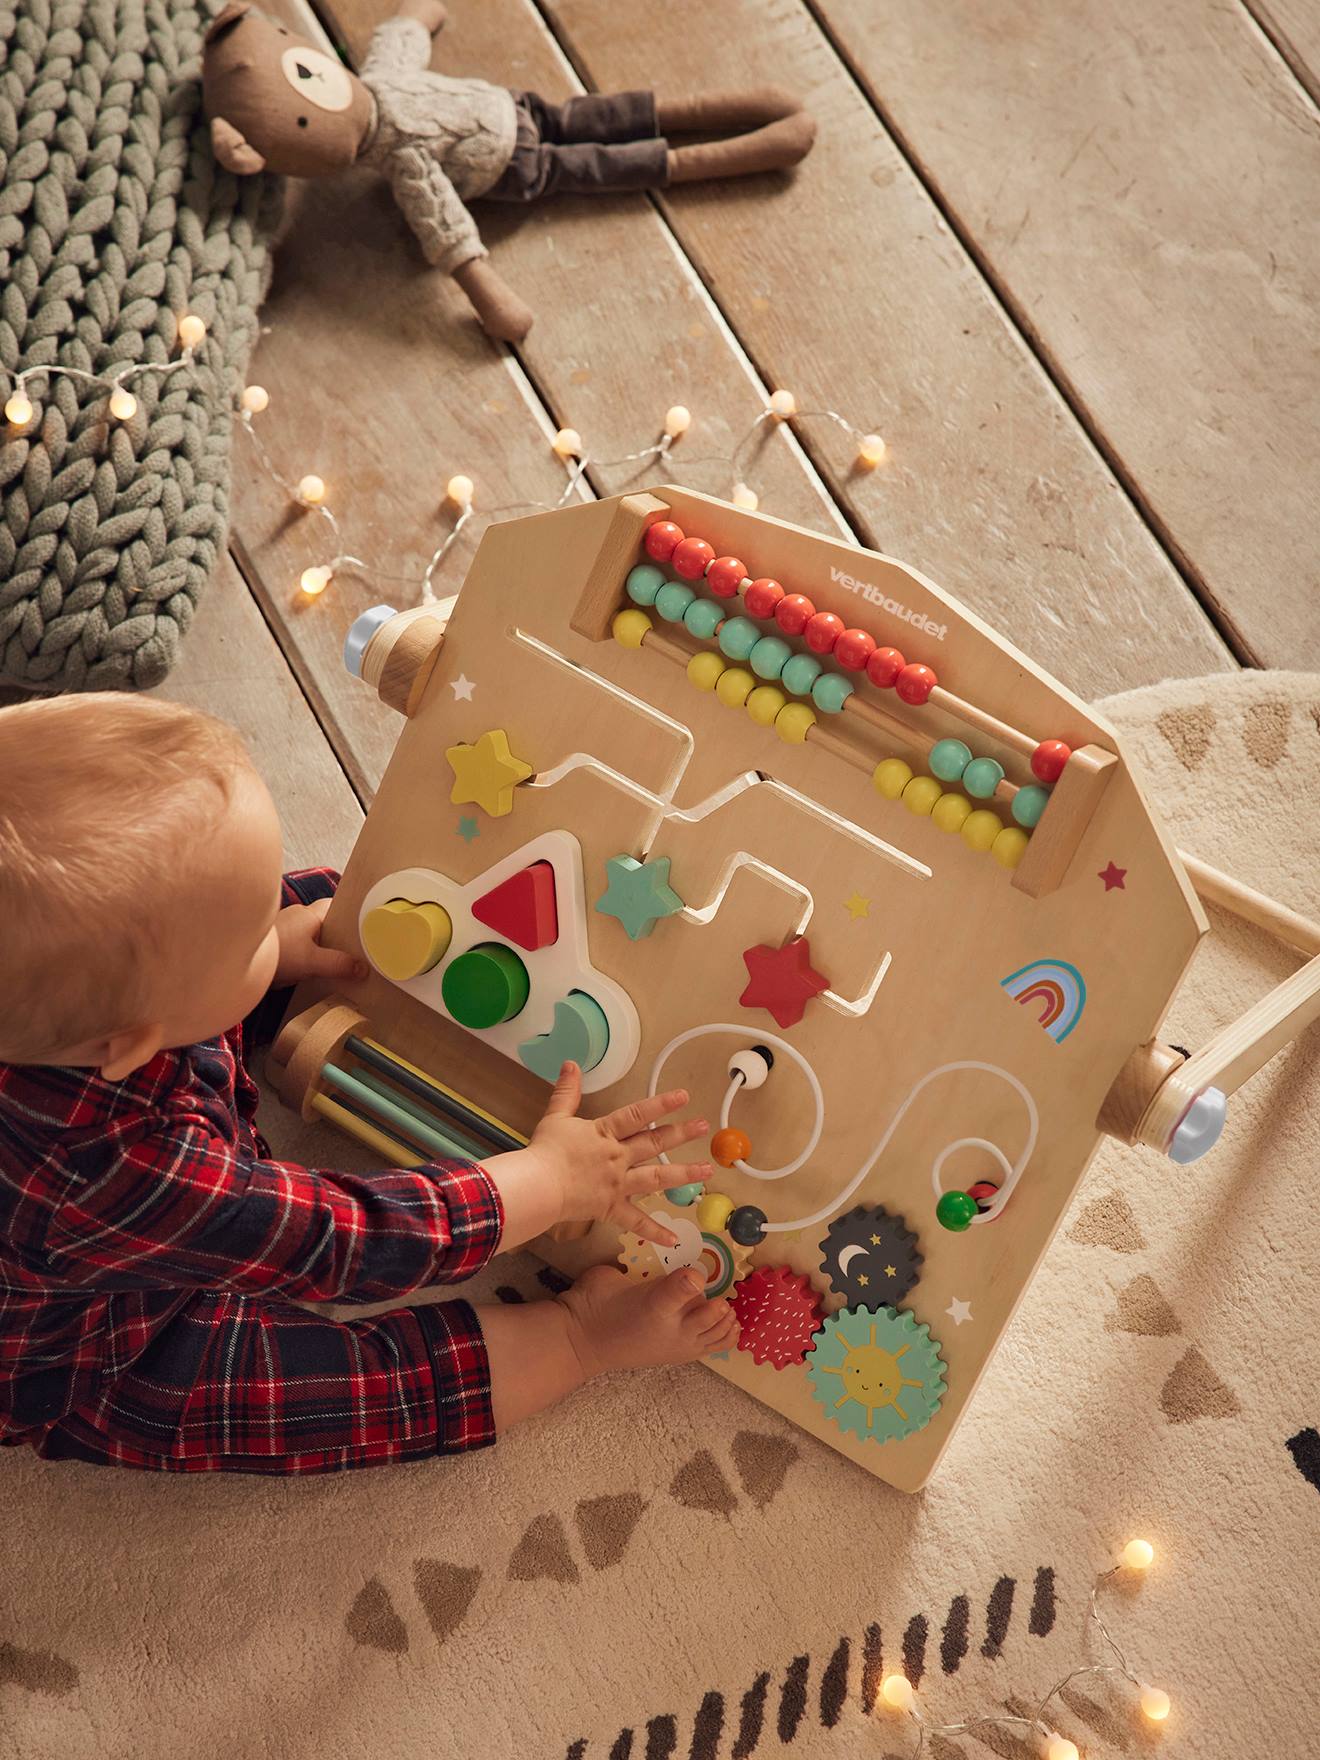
{"x":779,"y":1314}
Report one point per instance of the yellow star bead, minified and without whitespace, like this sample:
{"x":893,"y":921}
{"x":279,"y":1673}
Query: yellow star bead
{"x":487,"y":773}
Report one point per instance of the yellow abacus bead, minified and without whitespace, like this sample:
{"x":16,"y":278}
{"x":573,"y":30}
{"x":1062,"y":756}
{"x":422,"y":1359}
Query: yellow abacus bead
{"x":764,"y":703}
{"x":704,"y":670}
{"x":629,"y":627}
{"x":951,"y":811}
{"x":921,"y":794}
{"x":980,"y":829}
{"x":734,"y":685}
{"x":1010,"y":846}
{"x":713,"y":1211}
{"x":891,"y":777}
{"x":793,"y":721}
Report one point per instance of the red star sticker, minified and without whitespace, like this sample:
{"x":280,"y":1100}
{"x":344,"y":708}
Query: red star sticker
{"x":1113,"y":877}
{"x":782,"y":980}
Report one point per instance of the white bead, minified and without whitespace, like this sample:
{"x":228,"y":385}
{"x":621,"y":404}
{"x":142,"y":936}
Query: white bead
{"x":311,"y":491}
{"x":753,"y":1065}
{"x":677,"y":421}
{"x":567,"y":443}
{"x":123,"y":404}
{"x":19,"y":409}
{"x":255,"y":398}
{"x":783,"y":404}
{"x":191,"y":330}
{"x":745,"y":498}
{"x":460,"y":490}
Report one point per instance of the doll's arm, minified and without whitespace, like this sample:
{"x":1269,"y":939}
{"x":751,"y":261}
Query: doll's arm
{"x":502,"y":313}
{"x":431,"y":13}
{"x":401,"y":45}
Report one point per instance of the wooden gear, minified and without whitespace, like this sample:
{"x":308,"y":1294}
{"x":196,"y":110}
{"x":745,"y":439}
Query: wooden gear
{"x":922,"y":939}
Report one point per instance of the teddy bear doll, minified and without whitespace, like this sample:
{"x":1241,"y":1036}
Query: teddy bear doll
{"x":277,"y":103}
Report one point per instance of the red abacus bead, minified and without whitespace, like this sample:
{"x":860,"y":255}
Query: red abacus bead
{"x":690,"y":558}
{"x":793,"y":613}
{"x":884,"y":667}
{"x":853,"y":649}
{"x":724,"y":576}
{"x":1049,"y":758}
{"x":915,"y":683}
{"x":761,"y":597}
{"x":661,"y":539}
{"x":822,"y":631}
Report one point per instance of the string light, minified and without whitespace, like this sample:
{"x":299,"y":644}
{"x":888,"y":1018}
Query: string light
{"x":898,"y":1693}
{"x":567,"y":443}
{"x":311,"y":491}
{"x":192,"y":331}
{"x":745,"y":498}
{"x":19,"y":409}
{"x":123,"y":404}
{"x":314,"y":581}
{"x":871,"y":450}
{"x":783,"y":404}
{"x":255,"y":398}
{"x":460,"y":490}
{"x":678,"y":419}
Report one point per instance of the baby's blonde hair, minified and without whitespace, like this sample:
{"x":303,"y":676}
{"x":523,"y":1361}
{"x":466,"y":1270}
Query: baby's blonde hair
{"x":98,"y":796}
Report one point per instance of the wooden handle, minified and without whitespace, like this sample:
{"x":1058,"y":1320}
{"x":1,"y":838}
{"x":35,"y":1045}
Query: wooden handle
{"x":401,"y":656}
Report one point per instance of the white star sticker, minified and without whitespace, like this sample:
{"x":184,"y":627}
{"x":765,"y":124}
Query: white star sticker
{"x":959,"y":1311}
{"x":462,"y":688}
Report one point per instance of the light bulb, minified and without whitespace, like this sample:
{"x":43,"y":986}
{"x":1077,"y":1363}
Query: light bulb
{"x":896,"y":1690}
{"x":311,"y":491}
{"x":567,"y":443}
{"x":677,"y":420}
{"x":745,"y":498}
{"x":314,"y":581}
{"x":1155,"y":1703}
{"x":192,"y":330}
{"x":123,"y":404}
{"x":18,"y":410}
{"x":1137,"y":1555}
{"x":783,"y":404}
{"x":871,"y":449}
{"x":1060,"y":1748}
{"x":460,"y":490}
{"x":255,"y":398}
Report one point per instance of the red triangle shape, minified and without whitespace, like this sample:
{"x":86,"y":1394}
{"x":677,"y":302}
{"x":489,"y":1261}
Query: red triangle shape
{"x":522,"y":908}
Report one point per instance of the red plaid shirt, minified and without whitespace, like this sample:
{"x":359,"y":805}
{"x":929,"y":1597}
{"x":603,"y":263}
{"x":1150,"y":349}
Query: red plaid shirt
{"x":150,"y":1250}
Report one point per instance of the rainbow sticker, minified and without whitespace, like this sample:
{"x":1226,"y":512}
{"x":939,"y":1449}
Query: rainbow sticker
{"x":1053,"y":990}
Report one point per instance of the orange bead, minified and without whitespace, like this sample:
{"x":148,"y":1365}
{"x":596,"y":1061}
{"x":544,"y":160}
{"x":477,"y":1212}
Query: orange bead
{"x":853,"y":649}
{"x":794,"y":613}
{"x":1049,"y":758}
{"x":762,"y":596}
{"x":822,"y":631}
{"x":729,"y":1145}
{"x":883,"y":667}
{"x":691,"y":558}
{"x":915,"y":683}
{"x":661,"y":538}
{"x":725,"y":575}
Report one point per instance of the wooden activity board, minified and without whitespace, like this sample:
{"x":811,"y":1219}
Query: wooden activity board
{"x":655,"y":806}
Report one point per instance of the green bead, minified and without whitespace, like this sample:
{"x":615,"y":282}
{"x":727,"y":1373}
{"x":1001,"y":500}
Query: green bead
{"x":644,"y":582}
{"x":673,"y":600}
{"x":1029,"y":803}
{"x":949,"y":758}
{"x":800,"y":673}
{"x":484,"y":986}
{"x":703,"y":617}
{"x":831,"y":691}
{"x":768,"y":657}
{"x":956,"y":1211}
{"x":738,"y":637}
{"x":982,"y":777}
{"x":684,"y":1195}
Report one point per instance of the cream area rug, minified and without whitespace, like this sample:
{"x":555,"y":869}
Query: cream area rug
{"x":662,"y":1568}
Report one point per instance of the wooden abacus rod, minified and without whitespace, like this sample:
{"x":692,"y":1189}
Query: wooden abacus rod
{"x":982,"y":721}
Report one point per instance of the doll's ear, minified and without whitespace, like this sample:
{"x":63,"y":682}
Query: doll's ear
{"x":231,"y":15}
{"x":233,"y":151}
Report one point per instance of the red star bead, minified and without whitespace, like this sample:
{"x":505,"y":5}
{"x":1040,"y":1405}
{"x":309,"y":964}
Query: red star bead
{"x":782,"y":980}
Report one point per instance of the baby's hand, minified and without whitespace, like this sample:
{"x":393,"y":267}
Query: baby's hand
{"x":298,"y":930}
{"x":602,"y":1165}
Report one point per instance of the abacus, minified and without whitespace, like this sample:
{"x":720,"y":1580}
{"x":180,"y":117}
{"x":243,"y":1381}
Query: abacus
{"x":911,"y":1051}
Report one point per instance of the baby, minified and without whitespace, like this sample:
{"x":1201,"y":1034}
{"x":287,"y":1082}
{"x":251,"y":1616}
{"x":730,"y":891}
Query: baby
{"x":153,"y":1256}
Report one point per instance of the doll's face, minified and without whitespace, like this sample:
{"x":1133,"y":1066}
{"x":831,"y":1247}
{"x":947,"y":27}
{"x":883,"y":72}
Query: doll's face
{"x":276,"y":102}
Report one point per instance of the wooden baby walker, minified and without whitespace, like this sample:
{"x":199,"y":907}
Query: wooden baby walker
{"x":700,"y":799}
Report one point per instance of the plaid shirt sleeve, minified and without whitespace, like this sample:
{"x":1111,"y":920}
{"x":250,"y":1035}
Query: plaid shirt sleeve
{"x":175,"y":1204}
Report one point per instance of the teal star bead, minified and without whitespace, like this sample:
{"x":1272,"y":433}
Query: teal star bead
{"x":638,"y":894}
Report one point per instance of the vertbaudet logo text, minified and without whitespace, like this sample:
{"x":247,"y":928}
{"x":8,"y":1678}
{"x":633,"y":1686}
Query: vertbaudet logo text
{"x":874,"y":596}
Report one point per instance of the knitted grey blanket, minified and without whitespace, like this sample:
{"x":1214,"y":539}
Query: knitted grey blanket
{"x":114,"y":222}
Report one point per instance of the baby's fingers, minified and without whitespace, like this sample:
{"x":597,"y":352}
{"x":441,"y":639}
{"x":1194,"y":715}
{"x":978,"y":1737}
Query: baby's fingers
{"x":658,"y":1177}
{"x":629,"y":1216}
{"x":661,"y":1138}
{"x":640,"y":1115}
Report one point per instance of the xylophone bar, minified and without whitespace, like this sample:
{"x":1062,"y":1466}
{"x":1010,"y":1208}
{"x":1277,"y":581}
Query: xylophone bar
{"x":464,"y":1113}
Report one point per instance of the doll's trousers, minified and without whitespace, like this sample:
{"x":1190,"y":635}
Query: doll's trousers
{"x":595,"y":142}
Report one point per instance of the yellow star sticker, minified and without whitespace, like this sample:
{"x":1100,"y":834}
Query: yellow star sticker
{"x":487,"y":773}
{"x":875,"y":1240}
{"x":862,"y":1280}
{"x":891,"y":1270}
{"x":857,"y":906}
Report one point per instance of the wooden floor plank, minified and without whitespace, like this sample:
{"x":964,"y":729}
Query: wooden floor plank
{"x":1140,"y":182}
{"x":1293,"y":26}
{"x":858,"y":296}
{"x":231,"y":666}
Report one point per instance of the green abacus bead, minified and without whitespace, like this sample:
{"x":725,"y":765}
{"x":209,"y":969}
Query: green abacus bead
{"x":738,"y":637}
{"x":767,"y":659}
{"x":644,"y":582}
{"x":684,"y":1195}
{"x":703,"y":617}
{"x":831,"y":691}
{"x":673,"y":600}
{"x":800,"y":673}
{"x":981,"y":777}
{"x":1029,"y":803}
{"x":949,"y":758}
{"x":956,"y":1211}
